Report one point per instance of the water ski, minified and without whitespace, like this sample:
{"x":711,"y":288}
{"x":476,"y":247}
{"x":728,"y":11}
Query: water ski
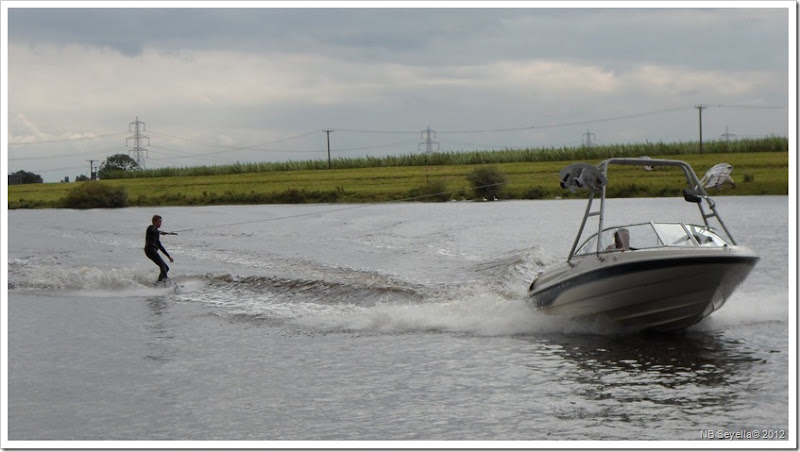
{"x":168,"y":283}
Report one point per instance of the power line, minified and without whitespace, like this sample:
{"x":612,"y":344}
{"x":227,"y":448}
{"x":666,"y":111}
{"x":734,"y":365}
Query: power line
{"x":531,"y":127}
{"x":62,"y":140}
{"x":245,"y":147}
{"x":71,"y":154}
{"x":372,"y":146}
{"x":411,"y":132}
{"x":513,"y":129}
{"x":767,"y":107}
{"x":56,"y":169}
{"x":241,"y":149}
{"x":185,"y":155}
{"x":398,"y":132}
{"x":611,"y":118}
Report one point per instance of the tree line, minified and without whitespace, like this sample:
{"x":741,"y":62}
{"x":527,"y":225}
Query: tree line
{"x":111,"y":165}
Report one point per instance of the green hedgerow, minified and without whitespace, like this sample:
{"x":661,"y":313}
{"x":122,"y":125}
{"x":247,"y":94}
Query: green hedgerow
{"x":95,"y":194}
{"x":487,"y":181}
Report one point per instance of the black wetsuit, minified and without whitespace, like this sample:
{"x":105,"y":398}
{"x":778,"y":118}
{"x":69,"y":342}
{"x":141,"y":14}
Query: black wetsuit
{"x":152,"y":244}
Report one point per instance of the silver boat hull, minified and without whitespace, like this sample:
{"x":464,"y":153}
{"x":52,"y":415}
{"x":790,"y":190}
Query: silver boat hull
{"x":663,"y":289}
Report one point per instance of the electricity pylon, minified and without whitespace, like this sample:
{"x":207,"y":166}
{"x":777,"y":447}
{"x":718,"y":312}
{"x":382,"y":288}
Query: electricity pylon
{"x":138,"y":152}
{"x":428,"y":134}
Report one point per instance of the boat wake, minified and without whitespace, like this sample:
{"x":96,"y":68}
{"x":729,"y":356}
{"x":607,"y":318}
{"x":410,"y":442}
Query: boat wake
{"x":86,"y":280}
{"x":491,"y":299}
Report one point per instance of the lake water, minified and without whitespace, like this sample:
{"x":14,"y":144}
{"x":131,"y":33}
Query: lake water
{"x":345,"y":325}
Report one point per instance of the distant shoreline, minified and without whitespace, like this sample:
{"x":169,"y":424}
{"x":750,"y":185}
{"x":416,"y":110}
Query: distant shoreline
{"x":755,"y":173}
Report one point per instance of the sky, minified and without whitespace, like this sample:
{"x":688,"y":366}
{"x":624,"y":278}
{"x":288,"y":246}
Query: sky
{"x":262,"y":81}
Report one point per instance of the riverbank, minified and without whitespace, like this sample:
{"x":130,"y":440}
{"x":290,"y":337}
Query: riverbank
{"x":755,"y":173}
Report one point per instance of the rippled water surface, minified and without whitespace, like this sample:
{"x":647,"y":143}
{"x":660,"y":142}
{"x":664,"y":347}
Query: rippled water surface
{"x":391,"y":322}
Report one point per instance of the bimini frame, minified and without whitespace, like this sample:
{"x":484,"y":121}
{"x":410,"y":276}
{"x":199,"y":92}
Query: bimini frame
{"x":693,"y":193}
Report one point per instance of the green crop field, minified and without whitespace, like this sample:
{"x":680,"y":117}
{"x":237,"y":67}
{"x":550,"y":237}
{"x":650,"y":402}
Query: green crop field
{"x":755,"y":173}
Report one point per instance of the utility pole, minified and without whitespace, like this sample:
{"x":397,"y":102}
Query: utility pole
{"x":92,"y":173}
{"x":700,"y":109}
{"x":589,"y":135}
{"x":138,"y":151}
{"x":328,"y":132}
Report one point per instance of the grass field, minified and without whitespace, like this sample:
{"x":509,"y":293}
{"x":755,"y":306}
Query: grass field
{"x":540,"y":154}
{"x":756,"y":173}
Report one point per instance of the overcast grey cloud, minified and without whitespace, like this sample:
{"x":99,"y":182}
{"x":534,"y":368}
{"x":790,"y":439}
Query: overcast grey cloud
{"x":219,"y":85}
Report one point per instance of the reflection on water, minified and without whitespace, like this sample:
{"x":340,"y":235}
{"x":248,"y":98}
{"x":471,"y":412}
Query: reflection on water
{"x":159,"y":334}
{"x":619,"y":377}
{"x":707,"y":355}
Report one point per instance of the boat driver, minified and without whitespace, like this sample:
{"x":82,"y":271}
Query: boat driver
{"x":622,"y":240}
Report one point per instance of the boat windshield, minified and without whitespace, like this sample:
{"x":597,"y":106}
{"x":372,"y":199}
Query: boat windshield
{"x":651,"y":235}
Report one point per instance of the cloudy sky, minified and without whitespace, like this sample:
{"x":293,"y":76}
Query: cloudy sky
{"x":216,"y":85}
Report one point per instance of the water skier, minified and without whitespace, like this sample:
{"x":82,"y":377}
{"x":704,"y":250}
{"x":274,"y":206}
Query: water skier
{"x":153,"y":243}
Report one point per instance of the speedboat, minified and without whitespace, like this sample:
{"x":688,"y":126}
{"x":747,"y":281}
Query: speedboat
{"x":645,"y":276}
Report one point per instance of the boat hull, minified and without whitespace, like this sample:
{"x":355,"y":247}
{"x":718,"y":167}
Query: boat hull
{"x":661,"y":290}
